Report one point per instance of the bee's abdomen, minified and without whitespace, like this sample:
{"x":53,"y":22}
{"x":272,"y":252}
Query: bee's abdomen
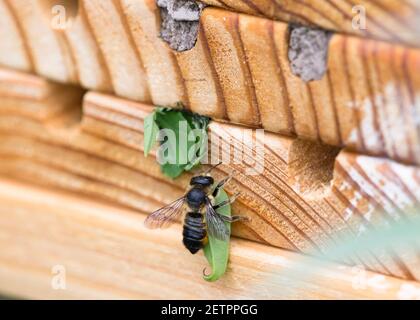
{"x":194,"y":232}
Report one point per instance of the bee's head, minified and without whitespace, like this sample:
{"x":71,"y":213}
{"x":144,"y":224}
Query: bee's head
{"x":202,"y":181}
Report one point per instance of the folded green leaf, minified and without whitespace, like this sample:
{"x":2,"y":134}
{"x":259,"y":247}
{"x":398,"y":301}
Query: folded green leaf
{"x":217,"y":251}
{"x":200,"y":150}
{"x":166,"y":118}
{"x":172,"y":170}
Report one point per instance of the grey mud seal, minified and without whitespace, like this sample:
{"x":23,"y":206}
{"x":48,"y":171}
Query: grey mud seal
{"x":308,"y":52}
{"x":180,"y":22}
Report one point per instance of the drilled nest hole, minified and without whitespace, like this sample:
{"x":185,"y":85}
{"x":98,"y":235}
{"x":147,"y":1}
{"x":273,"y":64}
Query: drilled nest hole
{"x":311,"y":166}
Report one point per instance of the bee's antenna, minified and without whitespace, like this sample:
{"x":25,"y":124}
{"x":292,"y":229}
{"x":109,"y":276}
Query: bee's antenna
{"x":212,"y":167}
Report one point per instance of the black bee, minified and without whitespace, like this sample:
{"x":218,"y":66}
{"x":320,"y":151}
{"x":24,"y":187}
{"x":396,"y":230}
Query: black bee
{"x":201,"y":218}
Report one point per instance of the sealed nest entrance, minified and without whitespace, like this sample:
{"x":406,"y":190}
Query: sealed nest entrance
{"x":180,"y":22}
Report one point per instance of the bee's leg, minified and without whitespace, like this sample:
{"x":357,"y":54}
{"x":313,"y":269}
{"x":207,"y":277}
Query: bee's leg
{"x":221,"y":184}
{"x":226,"y":202}
{"x":235,"y":218}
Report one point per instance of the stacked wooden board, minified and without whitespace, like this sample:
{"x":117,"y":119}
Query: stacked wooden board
{"x":306,"y":198}
{"x":311,"y":194}
{"x":106,"y":253}
{"x":392,"y":20}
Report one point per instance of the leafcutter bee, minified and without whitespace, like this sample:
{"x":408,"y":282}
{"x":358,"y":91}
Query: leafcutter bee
{"x":202,"y":216}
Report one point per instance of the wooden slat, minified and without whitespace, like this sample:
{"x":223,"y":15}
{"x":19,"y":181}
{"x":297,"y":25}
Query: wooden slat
{"x":47,"y":51}
{"x":101,"y":251}
{"x":390,"y":20}
{"x":12,"y":40}
{"x":307,"y":198}
{"x":367,"y":101}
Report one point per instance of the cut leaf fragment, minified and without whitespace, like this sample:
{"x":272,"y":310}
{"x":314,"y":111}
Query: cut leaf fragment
{"x":217,"y":251}
{"x":190,"y":143}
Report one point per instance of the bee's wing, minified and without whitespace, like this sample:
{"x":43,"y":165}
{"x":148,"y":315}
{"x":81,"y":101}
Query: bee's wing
{"x":215,"y":223}
{"x":165,"y":216}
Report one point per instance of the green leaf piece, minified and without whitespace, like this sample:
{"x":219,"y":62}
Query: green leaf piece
{"x":171,"y":119}
{"x":217,"y":251}
{"x":172,"y":170}
{"x":151,"y":131}
{"x":166,"y":118}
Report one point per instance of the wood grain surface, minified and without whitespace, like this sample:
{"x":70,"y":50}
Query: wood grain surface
{"x":309,"y":197}
{"x":390,"y":20}
{"x":59,"y":246}
{"x":238,"y":71}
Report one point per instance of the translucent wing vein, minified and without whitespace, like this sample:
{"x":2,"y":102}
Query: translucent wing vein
{"x":165,"y":216}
